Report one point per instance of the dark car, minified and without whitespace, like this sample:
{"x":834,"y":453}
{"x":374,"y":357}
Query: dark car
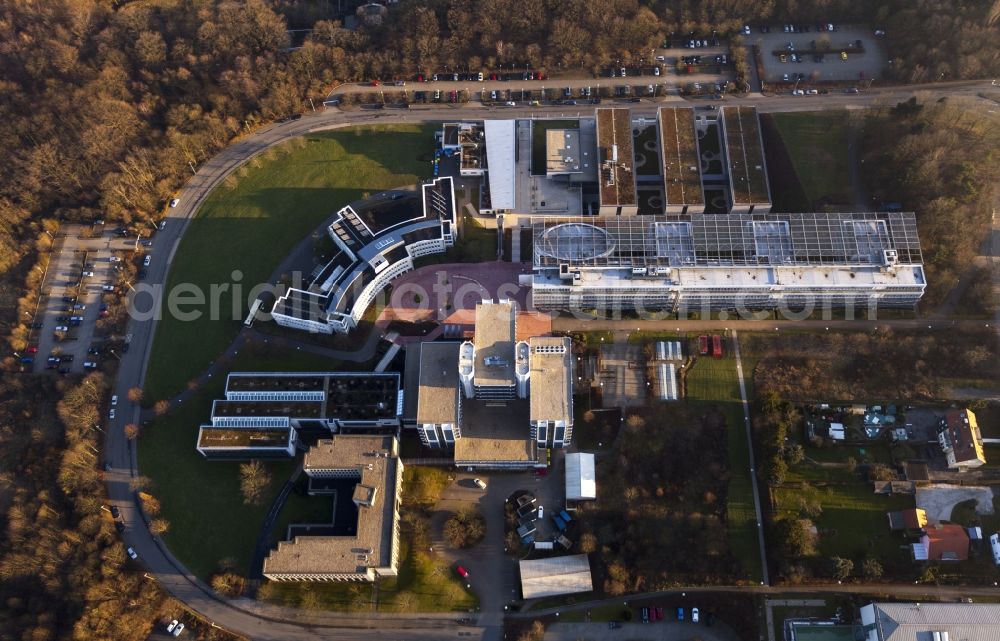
{"x":36,"y":325}
{"x":614,"y":625}
{"x":120,"y":527}
{"x":69,"y":299}
{"x":115,"y":513}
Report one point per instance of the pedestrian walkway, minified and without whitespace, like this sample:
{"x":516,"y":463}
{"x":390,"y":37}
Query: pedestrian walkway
{"x":765,"y":580}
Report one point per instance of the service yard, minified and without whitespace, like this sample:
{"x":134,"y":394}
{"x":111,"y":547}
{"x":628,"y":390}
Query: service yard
{"x":861,"y":65}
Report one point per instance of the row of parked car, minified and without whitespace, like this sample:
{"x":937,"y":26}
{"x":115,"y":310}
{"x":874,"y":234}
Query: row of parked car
{"x":651,"y":614}
{"x":475,"y":76}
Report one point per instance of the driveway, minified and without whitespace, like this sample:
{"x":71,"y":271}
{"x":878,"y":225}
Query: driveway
{"x":939,"y":500}
{"x":492,"y":572}
{"x":661,"y":631}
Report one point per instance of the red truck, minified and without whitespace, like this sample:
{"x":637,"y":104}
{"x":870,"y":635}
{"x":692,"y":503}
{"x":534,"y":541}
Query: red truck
{"x":716,"y":346}
{"x":703,"y":345}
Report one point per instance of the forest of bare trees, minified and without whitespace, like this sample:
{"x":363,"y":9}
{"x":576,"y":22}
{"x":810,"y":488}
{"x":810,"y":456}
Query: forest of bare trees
{"x":939,"y":160}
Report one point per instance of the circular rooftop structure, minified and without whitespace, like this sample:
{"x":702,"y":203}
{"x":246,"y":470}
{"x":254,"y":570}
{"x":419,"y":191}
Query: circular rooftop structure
{"x":576,"y":241}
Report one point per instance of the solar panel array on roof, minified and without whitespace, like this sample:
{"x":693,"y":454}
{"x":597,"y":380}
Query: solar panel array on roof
{"x":733,"y":240}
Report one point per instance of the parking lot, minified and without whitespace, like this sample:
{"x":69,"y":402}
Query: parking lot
{"x":665,"y":631}
{"x":82,"y":284}
{"x":861,"y":66}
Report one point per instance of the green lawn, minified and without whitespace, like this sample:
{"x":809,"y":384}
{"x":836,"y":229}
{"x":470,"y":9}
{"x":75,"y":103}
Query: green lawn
{"x":252,"y":221}
{"x":817,"y":145}
{"x":302,"y":508}
{"x":201,"y":499}
{"x":853,"y":523}
{"x":714,"y":381}
{"x":475,"y":244}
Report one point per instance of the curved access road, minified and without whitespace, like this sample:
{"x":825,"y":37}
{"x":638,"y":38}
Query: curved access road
{"x":261,"y":621}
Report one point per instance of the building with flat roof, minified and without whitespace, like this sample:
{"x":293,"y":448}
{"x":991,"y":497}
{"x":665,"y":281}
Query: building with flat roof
{"x":681,"y":163}
{"x":263,"y":413}
{"x":502,"y":157}
{"x":467,"y":140}
{"x":374,"y":246}
{"x":550,"y":381}
{"x":496,"y":435}
{"x":616,"y":174}
{"x":555,"y":575}
{"x":495,"y":399}
{"x":244,"y":443}
{"x":931,"y":622}
{"x":960,"y":440}
{"x":744,"y":149}
{"x":486,"y":364}
{"x":369,"y":468}
{"x":439,"y":410}
{"x":563,"y":154}
{"x":581,"y":478}
{"x":739,"y":261}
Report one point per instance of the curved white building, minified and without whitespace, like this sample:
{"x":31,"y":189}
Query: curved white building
{"x":375,"y":247}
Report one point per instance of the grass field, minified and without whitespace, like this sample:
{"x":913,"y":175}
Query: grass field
{"x":252,"y":221}
{"x":853,"y":522}
{"x":817,"y":146}
{"x":715,"y":382}
{"x":475,"y":244}
{"x":201,"y":499}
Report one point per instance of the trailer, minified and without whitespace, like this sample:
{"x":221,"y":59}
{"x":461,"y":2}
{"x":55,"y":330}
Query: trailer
{"x":564,"y":515}
{"x":544,"y":545}
{"x":703,"y":345}
{"x":559,"y":523}
{"x":716,"y":346}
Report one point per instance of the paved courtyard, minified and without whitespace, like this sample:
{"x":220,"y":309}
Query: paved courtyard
{"x":493,"y":573}
{"x":435,"y":292}
{"x":939,"y":500}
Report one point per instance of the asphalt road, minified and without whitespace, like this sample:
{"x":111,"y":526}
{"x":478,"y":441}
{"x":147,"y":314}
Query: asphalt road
{"x":267,"y":622}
